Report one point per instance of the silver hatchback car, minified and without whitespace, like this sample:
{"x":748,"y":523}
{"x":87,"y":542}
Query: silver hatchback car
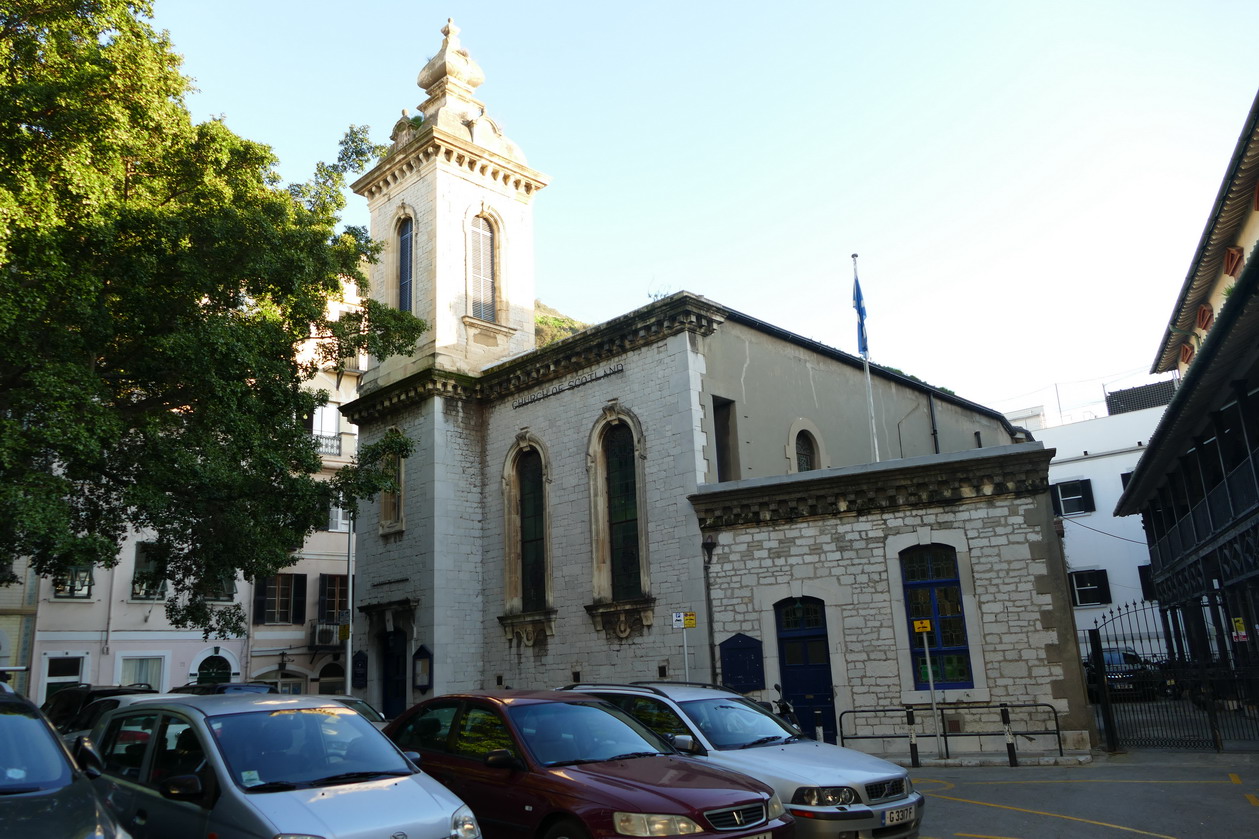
{"x":256,"y":766}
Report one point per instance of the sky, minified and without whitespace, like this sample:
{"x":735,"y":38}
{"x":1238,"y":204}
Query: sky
{"x":1025,"y":183}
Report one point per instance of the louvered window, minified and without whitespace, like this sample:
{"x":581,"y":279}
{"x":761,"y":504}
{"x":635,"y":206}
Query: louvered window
{"x":482,"y":269}
{"x":618,"y":451}
{"x":405,"y":249}
{"x":532,"y":532}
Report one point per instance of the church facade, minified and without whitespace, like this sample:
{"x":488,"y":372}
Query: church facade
{"x":683,"y":492}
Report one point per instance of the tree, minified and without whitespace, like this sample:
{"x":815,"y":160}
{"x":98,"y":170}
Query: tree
{"x":156,"y":284}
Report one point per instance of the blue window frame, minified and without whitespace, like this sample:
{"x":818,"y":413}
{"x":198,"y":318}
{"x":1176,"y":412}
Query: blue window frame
{"x":933,"y":591}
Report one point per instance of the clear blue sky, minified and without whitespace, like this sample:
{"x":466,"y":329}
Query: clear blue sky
{"x":1025,"y":182}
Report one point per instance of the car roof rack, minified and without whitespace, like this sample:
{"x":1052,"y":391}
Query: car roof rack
{"x":633,"y":686}
{"x":709,"y":685}
{"x":650,"y":685}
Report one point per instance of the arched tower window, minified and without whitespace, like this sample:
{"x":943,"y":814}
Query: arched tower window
{"x":482,"y":269}
{"x":406,"y":231}
{"x":806,"y":452}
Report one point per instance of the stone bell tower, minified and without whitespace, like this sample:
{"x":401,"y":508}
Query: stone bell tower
{"x":452,"y":201}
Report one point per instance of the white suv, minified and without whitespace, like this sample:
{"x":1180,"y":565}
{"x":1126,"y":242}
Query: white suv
{"x":834,"y":793}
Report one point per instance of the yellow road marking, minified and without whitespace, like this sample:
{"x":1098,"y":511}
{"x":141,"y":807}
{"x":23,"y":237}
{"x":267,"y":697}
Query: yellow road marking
{"x":1252,"y":798}
{"x":1051,"y":815}
{"x":981,"y":836}
{"x":1096,"y":781}
{"x":1234,"y":778}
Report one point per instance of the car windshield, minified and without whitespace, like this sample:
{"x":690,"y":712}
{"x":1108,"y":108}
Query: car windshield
{"x":559,"y":733}
{"x":1121,"y":658}
{"x":269,"y":751}
{"x":735,"y":723}
{"x":31,"y":759}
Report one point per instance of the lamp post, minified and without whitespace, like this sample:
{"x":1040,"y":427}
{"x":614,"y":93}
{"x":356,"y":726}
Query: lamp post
{"x":709,"y":545}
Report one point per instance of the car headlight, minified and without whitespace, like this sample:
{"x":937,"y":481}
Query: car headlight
{"x":653,"y":824}
{"x":825,"y":796}
{"x":774,"y":809}
{"x":463,"y":825}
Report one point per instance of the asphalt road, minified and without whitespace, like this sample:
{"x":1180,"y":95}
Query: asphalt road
{"x":1172,"y":795}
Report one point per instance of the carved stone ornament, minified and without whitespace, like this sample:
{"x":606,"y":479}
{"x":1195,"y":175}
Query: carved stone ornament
{"x":529,"y":628}
{"x":623,"y":619}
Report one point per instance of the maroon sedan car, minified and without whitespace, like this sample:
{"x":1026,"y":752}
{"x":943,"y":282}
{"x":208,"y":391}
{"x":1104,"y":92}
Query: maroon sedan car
{"x":549,"y":765}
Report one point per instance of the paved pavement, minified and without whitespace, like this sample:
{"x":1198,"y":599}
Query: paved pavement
{"x":1171,"y":795}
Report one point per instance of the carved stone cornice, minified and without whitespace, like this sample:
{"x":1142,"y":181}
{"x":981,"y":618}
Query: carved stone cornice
{"x":431,"y":146}
{"x":410,"y":391}
{"x":877,"y":489}
{"x":681,"y":312}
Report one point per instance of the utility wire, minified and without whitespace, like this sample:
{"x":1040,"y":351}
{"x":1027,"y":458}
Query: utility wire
{"x":1104,"y":533}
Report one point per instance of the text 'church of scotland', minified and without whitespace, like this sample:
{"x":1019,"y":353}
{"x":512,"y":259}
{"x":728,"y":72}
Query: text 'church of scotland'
{"x":551,"y":518}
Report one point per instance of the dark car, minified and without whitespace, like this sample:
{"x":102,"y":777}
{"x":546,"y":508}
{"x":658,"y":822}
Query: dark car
{"x":568,"y":766}
{"x":65,"y":704}
{"x":1128,"y":675}
{"x":225,"y":687}
{"x":43,"y":791}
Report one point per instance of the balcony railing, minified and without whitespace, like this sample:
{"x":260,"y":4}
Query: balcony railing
{"x":329,"y":444}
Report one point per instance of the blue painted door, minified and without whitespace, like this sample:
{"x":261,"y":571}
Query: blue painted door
{"x":805,"y":663}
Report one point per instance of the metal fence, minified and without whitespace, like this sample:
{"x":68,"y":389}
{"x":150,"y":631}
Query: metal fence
{"x":1171,"y":678}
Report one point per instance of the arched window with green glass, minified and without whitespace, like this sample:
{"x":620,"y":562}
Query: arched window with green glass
{"x":933,"y":602}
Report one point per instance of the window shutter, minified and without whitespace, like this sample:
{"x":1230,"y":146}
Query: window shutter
{"x":322,"y":614}
{"x":299,"y":598}
{"x":1103,"y":586}
{"x":260,"y":600}
{"x":1057,"y":501}
{"x":1086,"y":498}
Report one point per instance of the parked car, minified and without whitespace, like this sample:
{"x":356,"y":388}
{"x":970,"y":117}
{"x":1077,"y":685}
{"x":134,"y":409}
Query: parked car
{"x":82,"y":723}
{"x":66,"y":703}
{"x":43,"y":791}
{"x":364,"y":707}
{"x":208,"y":688}
{"x":260,"y":766}
{"x":1128,"y":675}
{"x":564,"y":766}
{"x":829,"y":789}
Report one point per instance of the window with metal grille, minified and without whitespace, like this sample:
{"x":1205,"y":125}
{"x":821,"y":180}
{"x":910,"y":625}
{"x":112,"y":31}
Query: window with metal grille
{"x":933,"y":592}
{"x":74,"y":583}
{"x":481,"y":268}
{"x":1090,"y":588}
{"x":618,"y":452}
{"x":406,"y":249}
{"x":148,"y":582}
{"x":1072,"y":497}
{"x":806,"y":452}
{"x":532,"y":532}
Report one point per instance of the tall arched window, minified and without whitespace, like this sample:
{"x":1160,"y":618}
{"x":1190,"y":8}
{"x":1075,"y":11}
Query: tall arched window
{"x":806,"y":452}
{"x":532,"y":531}
{"x":933,"y":602}
{"x":482,"y":270}
{"x":406,"y":248}
{"x":622,"y":495}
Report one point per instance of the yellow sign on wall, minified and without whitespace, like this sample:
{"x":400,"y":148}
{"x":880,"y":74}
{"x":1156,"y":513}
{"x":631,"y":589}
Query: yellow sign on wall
{"x":922,"y":626}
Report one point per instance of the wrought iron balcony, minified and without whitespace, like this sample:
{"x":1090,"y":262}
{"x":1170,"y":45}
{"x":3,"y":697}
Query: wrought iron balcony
{"x":329,"y":444}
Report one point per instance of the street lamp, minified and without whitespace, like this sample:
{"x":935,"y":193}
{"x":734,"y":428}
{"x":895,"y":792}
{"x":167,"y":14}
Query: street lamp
{"x":709,"y":545}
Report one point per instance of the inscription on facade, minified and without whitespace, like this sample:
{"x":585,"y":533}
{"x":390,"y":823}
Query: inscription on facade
{"x":570,"y":384}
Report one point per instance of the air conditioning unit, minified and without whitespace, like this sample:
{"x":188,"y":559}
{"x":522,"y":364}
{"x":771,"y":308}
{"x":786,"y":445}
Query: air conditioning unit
{"x":325,"y":636}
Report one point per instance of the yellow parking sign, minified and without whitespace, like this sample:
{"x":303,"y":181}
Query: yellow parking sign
{"x":922,"y":626}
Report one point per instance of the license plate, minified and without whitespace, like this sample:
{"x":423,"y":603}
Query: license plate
{"x":902,"y":814}
{"x":760,"y":836}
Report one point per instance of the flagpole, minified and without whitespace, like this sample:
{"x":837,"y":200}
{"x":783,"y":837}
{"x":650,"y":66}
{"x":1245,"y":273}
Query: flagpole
{"x":863,"y":346}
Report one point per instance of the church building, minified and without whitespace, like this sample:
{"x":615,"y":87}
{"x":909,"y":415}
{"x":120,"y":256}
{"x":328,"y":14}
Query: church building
{"x":682,"y":492}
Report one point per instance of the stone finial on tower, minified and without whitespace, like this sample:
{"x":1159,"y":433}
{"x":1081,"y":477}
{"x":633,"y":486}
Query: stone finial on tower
{"x":451,"y":65}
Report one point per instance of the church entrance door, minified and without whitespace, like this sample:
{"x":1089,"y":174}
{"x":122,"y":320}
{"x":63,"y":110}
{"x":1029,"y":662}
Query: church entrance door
{"x":805,"y":662}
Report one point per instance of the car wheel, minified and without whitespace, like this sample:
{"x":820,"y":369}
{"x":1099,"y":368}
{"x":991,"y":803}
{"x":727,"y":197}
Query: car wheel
{"x":566,"y":829}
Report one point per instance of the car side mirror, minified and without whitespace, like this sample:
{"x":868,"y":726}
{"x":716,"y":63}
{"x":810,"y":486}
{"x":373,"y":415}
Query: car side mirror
{"x":182,"y":788}
{"x":502,"y":759}
{"x":414,"y":757}
{"x":89,"y":759}
{"x":686,"y":744}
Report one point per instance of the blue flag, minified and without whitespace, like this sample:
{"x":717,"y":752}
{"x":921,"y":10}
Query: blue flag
{"x":859,"y":303}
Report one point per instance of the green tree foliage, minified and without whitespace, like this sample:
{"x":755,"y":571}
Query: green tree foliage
{"x":551,"y":325}
{"x":156,"y":286}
